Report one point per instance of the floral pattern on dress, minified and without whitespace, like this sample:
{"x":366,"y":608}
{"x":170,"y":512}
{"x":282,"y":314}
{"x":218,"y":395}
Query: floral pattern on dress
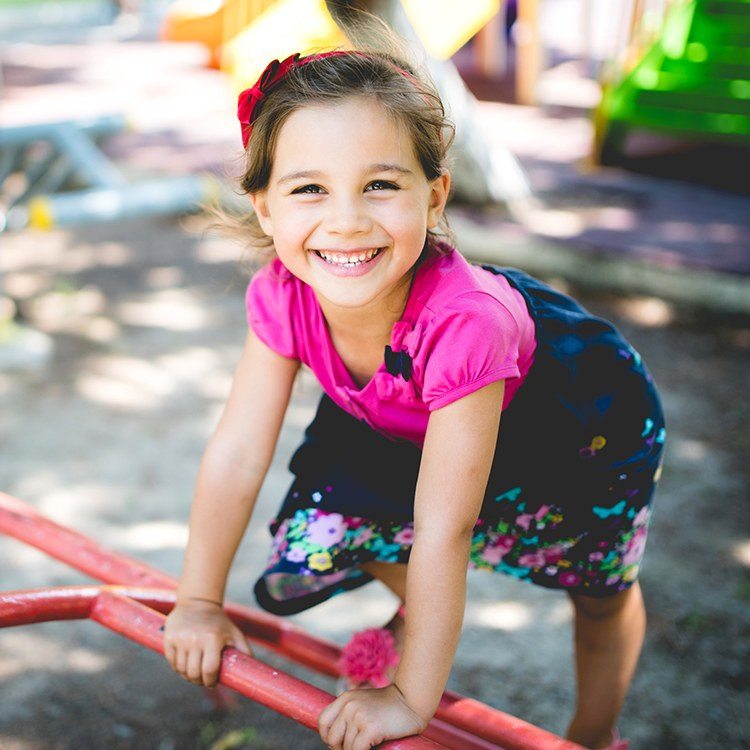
{"x":315,"y":548}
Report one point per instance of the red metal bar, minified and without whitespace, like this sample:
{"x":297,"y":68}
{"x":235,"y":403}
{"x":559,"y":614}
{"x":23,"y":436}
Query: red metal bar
{"x":114,"y":608}
{"x":70,"y":603}
{"x":508,"y":731}
{"x":473,"y":717}
{"x":21,"y":521}
{"x":76,"y":602}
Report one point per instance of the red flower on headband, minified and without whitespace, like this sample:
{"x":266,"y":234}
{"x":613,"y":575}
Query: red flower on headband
{"x":271,"y":77}
{"x":249,"y":99}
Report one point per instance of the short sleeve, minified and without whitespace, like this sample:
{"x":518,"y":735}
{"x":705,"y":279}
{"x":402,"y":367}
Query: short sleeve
{"x":269,"y":305}
{"x":475,"y":342}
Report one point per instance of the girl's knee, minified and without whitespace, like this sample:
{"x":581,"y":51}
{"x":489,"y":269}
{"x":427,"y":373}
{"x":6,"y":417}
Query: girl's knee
{"x":601,"y":608}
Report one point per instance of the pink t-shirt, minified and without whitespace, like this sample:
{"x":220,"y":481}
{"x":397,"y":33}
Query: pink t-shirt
{"x":463,"y":328}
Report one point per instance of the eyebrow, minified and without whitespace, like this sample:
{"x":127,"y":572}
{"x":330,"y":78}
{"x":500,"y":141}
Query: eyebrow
{"x":314,"y":174}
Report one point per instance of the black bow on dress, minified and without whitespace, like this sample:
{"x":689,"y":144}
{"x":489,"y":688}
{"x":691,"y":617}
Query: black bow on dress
{"x":398,"y":363}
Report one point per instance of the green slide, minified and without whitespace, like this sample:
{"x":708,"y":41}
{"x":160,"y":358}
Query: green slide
{"x":694,"y":81}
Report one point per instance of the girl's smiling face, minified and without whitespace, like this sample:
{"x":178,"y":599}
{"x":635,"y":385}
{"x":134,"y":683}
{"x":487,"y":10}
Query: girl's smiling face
{"x":348,"y":204}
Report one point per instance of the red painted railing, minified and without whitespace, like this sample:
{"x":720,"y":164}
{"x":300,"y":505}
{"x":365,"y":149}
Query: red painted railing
{"x":460,"y":723}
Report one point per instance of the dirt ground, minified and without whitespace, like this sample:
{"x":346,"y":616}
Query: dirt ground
{"x":147,"y":323}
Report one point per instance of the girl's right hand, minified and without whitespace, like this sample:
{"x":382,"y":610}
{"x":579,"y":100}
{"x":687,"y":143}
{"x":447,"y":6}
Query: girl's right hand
{"x":195,"y":633}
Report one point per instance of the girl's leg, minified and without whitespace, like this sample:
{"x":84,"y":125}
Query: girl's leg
{"x":608,"y":637}
{"x":393,"y":575}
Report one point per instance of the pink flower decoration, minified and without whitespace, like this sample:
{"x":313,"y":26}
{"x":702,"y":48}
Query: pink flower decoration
{"x":367,"y":657}
{"x":542,"y":512}
{"x":568,"y":578}
{"x":296,"y":554}
{"x":493,"y":555}
{"x":326,"y":530}
{"x":532,"y":560}
{"x":524,"y":520}
{"x":636,"y":547}
{"x":361,"y":538}
{"x":552,"y":555}
{"x":642,"y":518}
{"x":405,"y":536}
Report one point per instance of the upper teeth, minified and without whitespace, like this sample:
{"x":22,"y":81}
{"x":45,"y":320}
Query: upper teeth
{"x":348,"y":258}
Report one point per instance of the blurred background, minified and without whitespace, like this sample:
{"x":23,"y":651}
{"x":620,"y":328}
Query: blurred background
{"x":602,"y":145}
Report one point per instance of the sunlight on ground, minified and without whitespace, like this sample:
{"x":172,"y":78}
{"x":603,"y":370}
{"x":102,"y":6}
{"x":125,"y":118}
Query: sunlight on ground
{"x":126,"y":383}
{"x":69,"y":506}
{"x":23,"y":651}
{"x":559,"y":613}
{"x":173,"y":309}
{"x":25,"y":558}
{"x":219,"y":250}
{"x":369,"y":607}
{"x":36,"y":484}
{"x":164,"y":276}
{"x":23,"y":285}
{"x":690,"y":450}
{"x":741,"y":553}
{"x":554,"y":222}
{"x":648,"y":312}
{"x":99,"y":329}
{"x":82,"y":257}
{"x":136,"y":385}
{"x":613,"y":217}
{"x":200,"y":367}
{"x":500,"y":616}
{"x":52,"y":310}
{"x":151,"y":535}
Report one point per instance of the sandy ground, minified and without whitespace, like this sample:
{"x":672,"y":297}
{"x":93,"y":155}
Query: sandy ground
{"x":147,"y":321}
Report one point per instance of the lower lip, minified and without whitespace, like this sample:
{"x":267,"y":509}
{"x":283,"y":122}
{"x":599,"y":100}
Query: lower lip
{"x":359,"y":270}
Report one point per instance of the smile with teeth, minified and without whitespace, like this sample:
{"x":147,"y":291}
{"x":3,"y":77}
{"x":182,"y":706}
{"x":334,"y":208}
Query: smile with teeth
{"x":348,"y":260}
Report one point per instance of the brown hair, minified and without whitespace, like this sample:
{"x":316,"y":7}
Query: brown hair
{"x":408,"y":96}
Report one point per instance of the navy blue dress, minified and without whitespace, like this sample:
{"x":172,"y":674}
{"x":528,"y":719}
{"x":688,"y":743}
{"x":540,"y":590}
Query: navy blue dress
{"x":559,"y":511}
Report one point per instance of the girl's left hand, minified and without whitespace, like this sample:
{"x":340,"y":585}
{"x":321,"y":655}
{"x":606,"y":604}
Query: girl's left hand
{"x":362,"y":719}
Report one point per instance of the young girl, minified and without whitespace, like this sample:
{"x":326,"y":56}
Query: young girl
{"x":472,"y":415}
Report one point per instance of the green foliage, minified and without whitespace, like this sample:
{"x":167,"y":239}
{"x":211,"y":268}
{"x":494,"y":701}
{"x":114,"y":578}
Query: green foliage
{"x":233,"y":739}
{"x":236,"y":739}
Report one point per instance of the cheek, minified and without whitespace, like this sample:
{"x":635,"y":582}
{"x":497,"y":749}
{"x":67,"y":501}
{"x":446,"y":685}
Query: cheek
{"x":406,"y":210}
{"x":409,"y":220}
{"x":294,"y":225}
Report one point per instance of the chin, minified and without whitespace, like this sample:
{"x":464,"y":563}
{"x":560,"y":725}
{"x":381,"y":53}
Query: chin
{"x":350,"y":301}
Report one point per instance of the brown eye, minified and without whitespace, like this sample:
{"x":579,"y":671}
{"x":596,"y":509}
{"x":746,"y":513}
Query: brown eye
{"x":382,"y":185}
{"x":312,"y":189}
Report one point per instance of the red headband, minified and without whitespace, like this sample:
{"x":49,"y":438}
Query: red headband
{"x":250,"y":99}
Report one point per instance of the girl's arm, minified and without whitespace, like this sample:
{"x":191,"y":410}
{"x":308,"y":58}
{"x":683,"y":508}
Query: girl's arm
{"x":231,"y":473}
{"x":457,"y":457}
{"x":456,"y":461}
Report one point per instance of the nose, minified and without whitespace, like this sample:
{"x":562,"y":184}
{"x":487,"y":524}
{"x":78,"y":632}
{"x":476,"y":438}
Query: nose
{"x":347,"y":216}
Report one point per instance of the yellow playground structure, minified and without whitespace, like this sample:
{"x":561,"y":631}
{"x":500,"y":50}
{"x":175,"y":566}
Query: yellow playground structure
{"x":242,"y":35}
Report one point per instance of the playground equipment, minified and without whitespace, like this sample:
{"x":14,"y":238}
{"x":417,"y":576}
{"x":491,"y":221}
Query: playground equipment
{"x":51,"y":157}
{"x":243,"y":35}
{"x":686,"y":76}
{"x":135,"y":608}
